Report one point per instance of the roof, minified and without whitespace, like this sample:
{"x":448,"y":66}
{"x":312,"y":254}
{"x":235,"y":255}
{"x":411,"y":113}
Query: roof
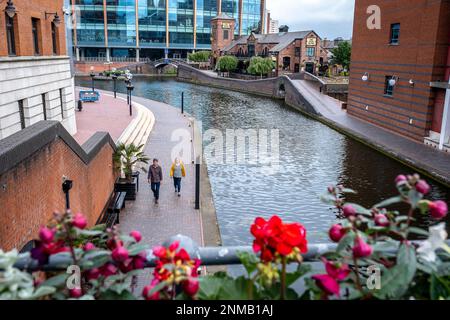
{"x":223,"y":16}
{"x":282,"y":39}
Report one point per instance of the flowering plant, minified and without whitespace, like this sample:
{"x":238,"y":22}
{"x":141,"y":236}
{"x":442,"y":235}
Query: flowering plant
{"x":375,"y":257}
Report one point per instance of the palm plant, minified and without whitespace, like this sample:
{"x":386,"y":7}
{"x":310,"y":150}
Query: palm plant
{"x":127,"y":157}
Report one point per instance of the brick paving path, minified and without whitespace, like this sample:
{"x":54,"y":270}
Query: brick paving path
{"x":417,"y":154}
{"x":108,"y":115}
{"x":173,"y":215}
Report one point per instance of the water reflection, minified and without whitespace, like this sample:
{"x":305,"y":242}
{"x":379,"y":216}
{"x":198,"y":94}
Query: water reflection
{"x":312,"y":156}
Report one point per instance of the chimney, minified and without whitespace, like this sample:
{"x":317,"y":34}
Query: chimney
{"x":284,"y":28}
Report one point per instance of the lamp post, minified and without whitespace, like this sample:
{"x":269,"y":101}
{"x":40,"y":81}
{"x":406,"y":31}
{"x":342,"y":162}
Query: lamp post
{"x":114,"y":77}
{"x":66,"y":186}
{"x":10,"y":9}
{"x":130,"y":87}
{"x":92,"y":77}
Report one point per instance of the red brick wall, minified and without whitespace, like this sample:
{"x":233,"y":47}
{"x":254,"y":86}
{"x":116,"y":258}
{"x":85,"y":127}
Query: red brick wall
{"x":85,"y":67}
{"x":27,"y":9}
{"x":420,"y":56}
{"x":32,"y":191}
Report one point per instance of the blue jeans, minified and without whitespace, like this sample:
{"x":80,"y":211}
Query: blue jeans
{"x":155,"y":188}
{"x":177,"y":184}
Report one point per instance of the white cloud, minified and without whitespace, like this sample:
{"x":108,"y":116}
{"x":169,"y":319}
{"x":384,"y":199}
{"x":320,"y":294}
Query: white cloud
{"x":329,"y":18}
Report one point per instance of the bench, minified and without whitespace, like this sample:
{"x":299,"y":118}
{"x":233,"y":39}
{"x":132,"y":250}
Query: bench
{"x":110,"y":216}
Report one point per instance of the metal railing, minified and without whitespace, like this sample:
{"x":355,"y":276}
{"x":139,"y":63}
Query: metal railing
{"x":114,"y":59}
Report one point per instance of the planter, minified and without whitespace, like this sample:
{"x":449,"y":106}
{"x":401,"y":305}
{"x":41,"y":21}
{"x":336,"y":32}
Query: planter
{"x":122,"y":185}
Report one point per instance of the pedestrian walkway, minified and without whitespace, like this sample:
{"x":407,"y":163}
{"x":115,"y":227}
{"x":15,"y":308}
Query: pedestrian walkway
{"x":173,"y":215}
{"x":418,"y":155}
{"x":106,"y":115}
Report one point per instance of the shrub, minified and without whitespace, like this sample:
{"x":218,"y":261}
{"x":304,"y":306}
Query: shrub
{"x":200,"y":56}
{"x":260,"y":66}
{"x":227,"y":64}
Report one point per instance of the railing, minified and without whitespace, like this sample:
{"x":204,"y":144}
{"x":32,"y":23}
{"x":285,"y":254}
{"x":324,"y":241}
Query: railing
{"x":209,"y":256}
{"x":114,"y":59}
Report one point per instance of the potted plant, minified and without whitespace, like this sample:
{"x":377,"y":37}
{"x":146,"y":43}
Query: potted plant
{"x":126,"y":159}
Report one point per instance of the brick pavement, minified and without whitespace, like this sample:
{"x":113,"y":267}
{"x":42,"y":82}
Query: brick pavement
{"x":108,"y":115}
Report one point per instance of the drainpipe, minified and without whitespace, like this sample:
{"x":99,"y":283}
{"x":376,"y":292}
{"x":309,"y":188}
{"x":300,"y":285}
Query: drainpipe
{"x":445,"y":128}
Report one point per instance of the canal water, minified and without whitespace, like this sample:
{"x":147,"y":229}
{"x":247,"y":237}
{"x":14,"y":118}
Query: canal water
{"x":312,"y":156}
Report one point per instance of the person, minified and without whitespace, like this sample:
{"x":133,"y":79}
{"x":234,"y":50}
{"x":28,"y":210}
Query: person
{"x":155,"y":178}
{"x":177,"y":171}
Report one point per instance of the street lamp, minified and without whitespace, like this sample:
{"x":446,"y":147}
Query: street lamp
{"x":92,"y":77}
{"x":130,"y":87}
{"x":56,"y":19}
{"x":114,"y":77}
{"x":10,"y":9}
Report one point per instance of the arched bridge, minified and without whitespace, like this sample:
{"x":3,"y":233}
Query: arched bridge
{"x":161,"y":63}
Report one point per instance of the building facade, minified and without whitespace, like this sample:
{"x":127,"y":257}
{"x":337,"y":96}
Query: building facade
{"x":35,"y":76}
{"x":272,"y":25}
{"x":291,"y":51}
{"x":154,"y":28}
{"x":400,"y":71}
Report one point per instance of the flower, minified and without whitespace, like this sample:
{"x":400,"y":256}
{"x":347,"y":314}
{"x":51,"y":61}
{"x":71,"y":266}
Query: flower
{"x":46,"y":235}
{"x":273,"y":237}
{"x":148,"y":289}
{"x":79,"y":221}
{"x":327,"y":284}
{"x":139,"y":261}
{"x":93,"y":274}
{"x":349,"y":210}
{"x":422,"y":187}
{"x":108,"y":270}
{"x":76,"y":293}
{"x":438,"y":209}
{"x":436,"y":240}
{"x":336,"y":232}
{"x":120,"y":254}
{"x":191,"y":286}
{"x":381,"y":220}
{"x":400,"y":178}
{"x":89,"y":246}
{"x":136,"y":235}
{"x":335,"y":270}
{"x":361,"y":249}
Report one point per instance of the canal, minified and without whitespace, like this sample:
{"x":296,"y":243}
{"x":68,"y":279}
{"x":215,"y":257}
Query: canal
{"x":311,"y":157}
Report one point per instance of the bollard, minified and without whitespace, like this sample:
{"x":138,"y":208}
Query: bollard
{"x":182,"y":102}
{"x":197,"y":186}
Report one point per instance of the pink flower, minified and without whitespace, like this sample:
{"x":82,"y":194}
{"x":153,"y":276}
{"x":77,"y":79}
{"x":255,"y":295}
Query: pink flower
{"x":93,"y":274}
{"x":139,"y":261}
{"x":336,"y":232}
{"x":349,"y":211}
{"x":327,"y":284}
{"x":336,"y":270}
{"x":75,"y":293}
{"x":89,"y":246}
{"x":438,"y":209}
{"x":381,"y":220}
{"x":422,"y":187}
{"x":46,"y":235}
{"x":108,"y":270}
{"x":159,"y":252}
{"x":361,"y":249}
{"x":120,"y":254}
{"x":136,"y":235}
{"x":79,"y":221}
{"x":147,"y":290}
{"x":400,"y":178}
{"x":191,"y":287}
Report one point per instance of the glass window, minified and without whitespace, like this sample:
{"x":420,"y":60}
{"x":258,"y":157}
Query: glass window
{"x":121,"y":16}
{"x":311,"y":52}
{"x":10,"y":36}
{"x":152,"y":23}
{"x":35,"y":31}
{"x":395,"y":33}
{"x":388,"y":88}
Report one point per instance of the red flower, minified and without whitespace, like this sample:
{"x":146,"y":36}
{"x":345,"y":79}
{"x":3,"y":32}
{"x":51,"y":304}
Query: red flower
{"x":136,"y":235}
{"x":191,"y":287}
{"x":438,"y":209}
{"x":147,"y":290}
{"x":335,"y":270}
{"x":336,"y":233}
{"x":327,"y":284}
{"x":79,"y":221}
{"x":275,"y":237}
{"x":349,"y":210}
{"x":381,"y":220}
{"x":423,"y":187}
{"x":120,"y":254}
{"x":361,"y":249}
{"x":46,"y":235}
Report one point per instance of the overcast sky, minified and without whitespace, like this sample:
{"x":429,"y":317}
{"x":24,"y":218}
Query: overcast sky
{"x":329,"y":18}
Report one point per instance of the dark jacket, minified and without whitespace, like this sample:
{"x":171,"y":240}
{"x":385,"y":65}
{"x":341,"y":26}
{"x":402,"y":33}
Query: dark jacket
{"x":155,"y":174}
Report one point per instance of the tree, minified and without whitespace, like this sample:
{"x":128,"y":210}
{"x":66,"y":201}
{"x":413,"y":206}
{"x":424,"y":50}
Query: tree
{"x":342,"y":55}
{"x":200,"y":56}
{"x":260,"y":66}
{"x":227,"y":63}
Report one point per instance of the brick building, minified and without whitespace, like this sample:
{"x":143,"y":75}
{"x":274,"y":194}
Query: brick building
{"x":35,"y":77}
{"x":291,"y":51}
{"x":399,"y":72}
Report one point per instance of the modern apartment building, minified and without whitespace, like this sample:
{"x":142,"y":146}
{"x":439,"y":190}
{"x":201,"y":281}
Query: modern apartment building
{"x":155,"y":28}
{"x":400,"y":68}
{"x":35,"y":76}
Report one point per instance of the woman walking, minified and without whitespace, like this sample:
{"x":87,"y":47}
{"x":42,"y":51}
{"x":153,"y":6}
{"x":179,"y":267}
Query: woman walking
{"x":177,"y":171}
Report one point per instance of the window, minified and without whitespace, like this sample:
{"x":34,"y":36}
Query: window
{"x":61,"y":100}
{"x":297,"y":51}
{"x":35,"y":31}
{"x":395,"y":33}
{"x":311,"y":52}
{"x":226,"y":34}
{"x":388,"y":89}
{"x":21,"y":114}
{"x":10,"y":36}
{"x":54,"y":39}
{"x":44,"y":106}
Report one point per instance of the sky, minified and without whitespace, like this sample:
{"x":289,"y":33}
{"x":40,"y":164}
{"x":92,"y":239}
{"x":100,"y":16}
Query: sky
{"x":329,"y":18}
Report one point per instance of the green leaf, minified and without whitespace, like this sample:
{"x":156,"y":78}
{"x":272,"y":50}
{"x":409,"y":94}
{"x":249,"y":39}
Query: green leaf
{"x":249,"y":261}
{"x":360,"y":209}
{"x":347,"y":190}
{"x":439,"y":288}
{"x":414,"y":198}
{"x":346,"y":241}
{"x":292,"y":277}
{"x":210,"y":287}
{"x":56,"y":281}
{"x":388,"y":202}
{"x":418,"y":231}
{"x":88,"y":233}
{"x":396,"y":280}
{"x":328,"y":199}
{"x":112,"y":295}
{"x":137,"y":248}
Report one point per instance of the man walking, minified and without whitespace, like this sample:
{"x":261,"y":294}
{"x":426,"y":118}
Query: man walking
{"x":155,"y":178}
